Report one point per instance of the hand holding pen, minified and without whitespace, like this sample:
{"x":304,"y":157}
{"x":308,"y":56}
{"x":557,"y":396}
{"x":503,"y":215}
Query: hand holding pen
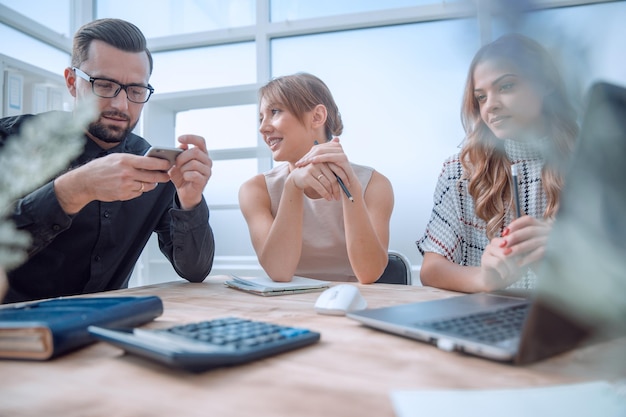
{"x":304,"y":161}
{"x":523,"y":241}
{"x":342,"y":185}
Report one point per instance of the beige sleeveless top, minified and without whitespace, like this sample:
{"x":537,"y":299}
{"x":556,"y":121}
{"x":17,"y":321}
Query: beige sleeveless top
{"x":324,"y":253}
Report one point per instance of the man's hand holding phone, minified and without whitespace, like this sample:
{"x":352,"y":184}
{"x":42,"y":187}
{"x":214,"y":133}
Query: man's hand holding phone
{"x":169,"y":154}
{"x":191,"y":171}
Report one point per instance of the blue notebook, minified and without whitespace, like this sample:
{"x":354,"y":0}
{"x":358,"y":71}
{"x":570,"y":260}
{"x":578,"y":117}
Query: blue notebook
{"x":41,"y":330}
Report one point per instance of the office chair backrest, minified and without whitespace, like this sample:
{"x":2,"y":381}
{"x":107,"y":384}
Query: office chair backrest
{"x":398,"y":270}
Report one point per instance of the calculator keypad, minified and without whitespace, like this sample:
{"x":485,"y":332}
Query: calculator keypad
{"x":236,"y":333}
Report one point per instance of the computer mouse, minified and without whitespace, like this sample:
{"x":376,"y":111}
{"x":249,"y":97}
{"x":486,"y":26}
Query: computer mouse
{"x":340,"y":299}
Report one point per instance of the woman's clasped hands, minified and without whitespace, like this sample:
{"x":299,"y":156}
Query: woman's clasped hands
{"x":317,"y":171}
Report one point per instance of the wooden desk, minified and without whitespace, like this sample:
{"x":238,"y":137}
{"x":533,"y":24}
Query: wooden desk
{"x":350,"y":372}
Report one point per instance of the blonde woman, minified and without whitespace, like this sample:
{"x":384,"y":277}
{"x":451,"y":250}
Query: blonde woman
{"x":301,"y":220}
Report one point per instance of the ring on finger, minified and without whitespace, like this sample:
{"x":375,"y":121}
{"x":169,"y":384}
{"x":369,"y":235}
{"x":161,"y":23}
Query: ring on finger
{"x":142,"y":187}
{"x":319,"y":177}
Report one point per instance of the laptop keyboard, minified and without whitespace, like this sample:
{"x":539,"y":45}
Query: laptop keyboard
{"x":490,"y":327}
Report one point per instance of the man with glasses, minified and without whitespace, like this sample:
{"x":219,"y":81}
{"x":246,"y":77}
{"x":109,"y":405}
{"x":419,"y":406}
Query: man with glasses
{"x":90,"y":224}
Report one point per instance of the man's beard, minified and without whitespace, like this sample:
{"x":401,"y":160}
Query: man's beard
{"x":110,"y":134}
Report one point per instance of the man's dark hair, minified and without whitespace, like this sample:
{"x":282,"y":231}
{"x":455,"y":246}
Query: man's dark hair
{"x":118,"y":33}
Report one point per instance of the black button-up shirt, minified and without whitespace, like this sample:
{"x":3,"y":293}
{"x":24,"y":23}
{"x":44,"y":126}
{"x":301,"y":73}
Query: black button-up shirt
{"x":97,"y":248}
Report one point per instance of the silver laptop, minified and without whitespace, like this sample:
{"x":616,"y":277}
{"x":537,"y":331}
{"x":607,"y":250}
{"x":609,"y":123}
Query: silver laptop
{"x":524,"y":328}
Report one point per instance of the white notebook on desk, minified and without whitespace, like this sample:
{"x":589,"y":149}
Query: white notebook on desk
{"x":585,"y":399}
{"x":266,"y":287}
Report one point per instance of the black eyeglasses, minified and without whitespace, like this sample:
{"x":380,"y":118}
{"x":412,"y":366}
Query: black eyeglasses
{"x":105,"y":88}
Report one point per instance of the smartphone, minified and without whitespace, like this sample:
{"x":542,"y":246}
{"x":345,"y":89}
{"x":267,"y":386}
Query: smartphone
{"x":164,"y":153}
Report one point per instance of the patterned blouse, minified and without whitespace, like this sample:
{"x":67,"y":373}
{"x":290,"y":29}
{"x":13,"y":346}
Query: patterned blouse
{"x":456,"y":232}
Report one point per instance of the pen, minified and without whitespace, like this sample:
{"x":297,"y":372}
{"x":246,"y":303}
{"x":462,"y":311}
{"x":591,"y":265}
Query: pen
{"x":518,"y":212}
{"x":344,"y":188}
{"x":341,"y":184}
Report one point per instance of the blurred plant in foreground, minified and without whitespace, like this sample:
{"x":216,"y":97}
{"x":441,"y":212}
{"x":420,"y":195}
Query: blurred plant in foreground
{"x":45,"y":146}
